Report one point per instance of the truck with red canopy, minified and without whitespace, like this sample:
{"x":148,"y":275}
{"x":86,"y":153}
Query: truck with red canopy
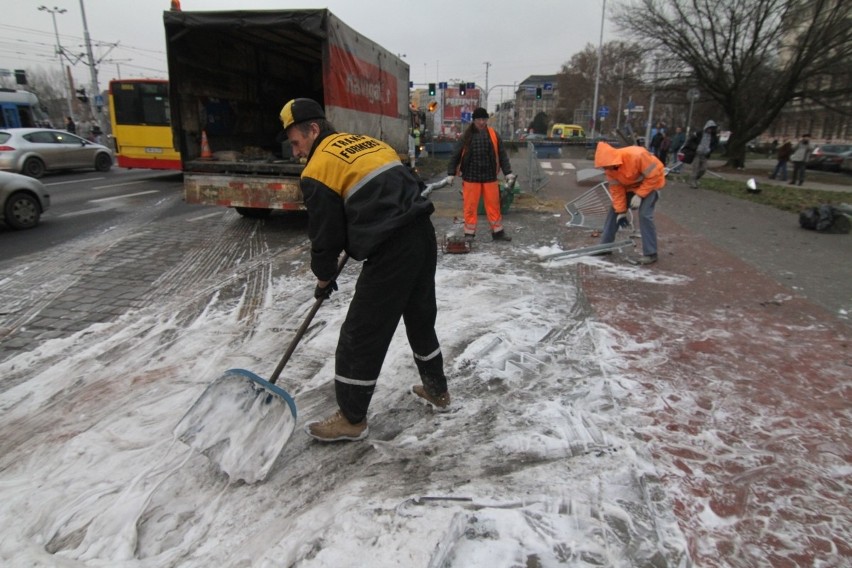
{"x":231,"y":72}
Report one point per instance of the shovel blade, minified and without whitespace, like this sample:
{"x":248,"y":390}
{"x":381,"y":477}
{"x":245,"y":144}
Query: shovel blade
{"x":241,"y":423}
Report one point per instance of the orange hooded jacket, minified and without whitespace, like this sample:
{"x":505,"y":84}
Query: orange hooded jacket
{"x":638,"y":171}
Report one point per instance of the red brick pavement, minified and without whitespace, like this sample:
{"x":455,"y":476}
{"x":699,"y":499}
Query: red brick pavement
{"x":749,"y":414}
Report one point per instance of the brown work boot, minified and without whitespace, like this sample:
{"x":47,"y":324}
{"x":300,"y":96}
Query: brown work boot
{"x":647,"y":259}
{"x":336,"y":428}
{"x":440,"y":403}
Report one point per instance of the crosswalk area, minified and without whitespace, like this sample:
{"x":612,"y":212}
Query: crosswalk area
{"x":556,"y":168}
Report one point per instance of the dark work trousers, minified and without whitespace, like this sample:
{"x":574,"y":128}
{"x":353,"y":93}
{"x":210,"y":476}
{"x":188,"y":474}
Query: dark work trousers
{"x":398,"y":280}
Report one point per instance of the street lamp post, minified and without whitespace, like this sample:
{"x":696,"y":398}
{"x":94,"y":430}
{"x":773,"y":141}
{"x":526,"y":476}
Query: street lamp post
{"x":53,"y":13}
{"x":598,"y":72}
{"x":92,"y":67}
{"x":692,"y":94}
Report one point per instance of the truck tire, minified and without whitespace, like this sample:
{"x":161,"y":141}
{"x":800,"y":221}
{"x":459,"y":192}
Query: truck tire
{"x":253,"y":212}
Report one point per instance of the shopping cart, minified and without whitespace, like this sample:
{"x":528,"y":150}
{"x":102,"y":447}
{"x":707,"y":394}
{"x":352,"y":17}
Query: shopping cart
{"x":590,"y":209}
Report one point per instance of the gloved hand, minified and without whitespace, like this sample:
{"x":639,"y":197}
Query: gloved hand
{"x":320,"y":292}
{"x":622,"y":221}
{"x":635,"y":202}
{"x":510,"y":180}
{"x":449,"y":180}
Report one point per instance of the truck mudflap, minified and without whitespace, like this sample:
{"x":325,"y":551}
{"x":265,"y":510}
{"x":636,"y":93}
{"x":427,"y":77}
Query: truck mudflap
{"x":243,"y":191}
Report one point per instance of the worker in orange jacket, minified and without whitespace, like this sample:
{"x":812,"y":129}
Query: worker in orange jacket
{"x":635,"y":176}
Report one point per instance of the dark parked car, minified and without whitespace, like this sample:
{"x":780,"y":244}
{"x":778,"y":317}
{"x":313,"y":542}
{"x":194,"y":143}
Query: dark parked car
{"x":23,"y":200}
{"x":33,"y":151}
{"x":829,"y":156}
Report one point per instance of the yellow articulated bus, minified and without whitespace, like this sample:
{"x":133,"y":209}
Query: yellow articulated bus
{"x":567,"y":131}
{"x":141,"y":124}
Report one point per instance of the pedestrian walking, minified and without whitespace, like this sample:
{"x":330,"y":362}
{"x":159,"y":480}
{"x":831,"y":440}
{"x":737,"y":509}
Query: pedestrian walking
{"x":678,"y":140}
{"x":783,"y":156}
{"x":635,"y":177}
{"x":362,"y":200}
{"x":698,"y":149}
{"x":799,"y":157}
{"x":416,"y":134}
{"x":478,"y":158}
{"x":69,"y":125}
{"x":665,"y":147}
{"x":656,"y":139}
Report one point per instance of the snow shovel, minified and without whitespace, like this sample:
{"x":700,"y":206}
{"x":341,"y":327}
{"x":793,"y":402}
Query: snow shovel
{"x":242,"y":421}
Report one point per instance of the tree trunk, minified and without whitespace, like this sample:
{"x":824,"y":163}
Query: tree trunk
{"x":735,"y":152}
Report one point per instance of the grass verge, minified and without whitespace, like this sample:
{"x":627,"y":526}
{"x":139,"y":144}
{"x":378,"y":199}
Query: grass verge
{"x":785,"y":197}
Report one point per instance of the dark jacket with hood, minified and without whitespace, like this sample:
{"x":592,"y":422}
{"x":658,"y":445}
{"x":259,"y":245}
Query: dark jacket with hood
{"x":690,"y":149}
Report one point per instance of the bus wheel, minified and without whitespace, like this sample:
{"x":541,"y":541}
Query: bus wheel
{"x":253,"y":212}
{"x":33,"y":167}
{"x":103,"y":162}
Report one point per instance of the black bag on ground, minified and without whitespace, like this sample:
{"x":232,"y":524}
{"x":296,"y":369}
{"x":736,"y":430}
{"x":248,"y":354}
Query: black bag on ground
{"x":825,"y":219}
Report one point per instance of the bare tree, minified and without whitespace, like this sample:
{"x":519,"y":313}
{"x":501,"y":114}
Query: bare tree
{"x":752,"y":57}
{"x":621,"y":67}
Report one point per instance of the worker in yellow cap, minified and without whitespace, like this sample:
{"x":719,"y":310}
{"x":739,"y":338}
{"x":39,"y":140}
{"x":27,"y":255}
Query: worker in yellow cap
{"x":362,"y":200}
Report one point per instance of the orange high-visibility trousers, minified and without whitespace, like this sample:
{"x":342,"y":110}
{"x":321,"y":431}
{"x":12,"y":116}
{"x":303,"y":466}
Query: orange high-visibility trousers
{"x":490,"y":193}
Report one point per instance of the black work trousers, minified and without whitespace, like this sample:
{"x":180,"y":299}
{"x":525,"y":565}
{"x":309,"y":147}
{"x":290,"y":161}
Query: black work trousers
{"x":397,"y":281}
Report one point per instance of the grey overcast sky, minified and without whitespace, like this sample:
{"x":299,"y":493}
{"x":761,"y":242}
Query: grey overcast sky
{"x":442,"y":40}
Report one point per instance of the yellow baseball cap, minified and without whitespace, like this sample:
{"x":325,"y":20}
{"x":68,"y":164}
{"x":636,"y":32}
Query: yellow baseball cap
{"x":300,"y":110}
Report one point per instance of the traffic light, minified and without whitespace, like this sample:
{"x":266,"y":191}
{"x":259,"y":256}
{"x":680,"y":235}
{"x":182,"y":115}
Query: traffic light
{"x":431,"y":89}
{"x":462,"y":89}
{"x":538,"y":92}
{"x":433,"y":106}
{"x":81,"y":96}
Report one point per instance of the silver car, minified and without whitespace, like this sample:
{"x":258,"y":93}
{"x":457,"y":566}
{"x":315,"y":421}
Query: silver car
{"x":23,"y":200}
{"x":33,"y":151}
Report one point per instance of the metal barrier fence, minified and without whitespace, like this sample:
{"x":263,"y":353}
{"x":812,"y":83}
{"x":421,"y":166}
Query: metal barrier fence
{"x":534,"y":178}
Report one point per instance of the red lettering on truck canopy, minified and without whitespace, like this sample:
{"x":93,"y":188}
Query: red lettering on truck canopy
{"x":358,"y":85}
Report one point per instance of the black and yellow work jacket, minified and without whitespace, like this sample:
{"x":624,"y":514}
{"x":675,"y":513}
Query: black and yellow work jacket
{"x":358,"y":194}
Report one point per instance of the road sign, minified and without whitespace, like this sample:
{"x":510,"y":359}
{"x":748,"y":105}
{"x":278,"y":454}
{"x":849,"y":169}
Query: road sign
{"x":693,"y":94}
{"x":466,"y":116}
{"x":631,"y":105}
{"x":603,"y":112}
{"x":548,"y":86}
{"x":442,"y":85}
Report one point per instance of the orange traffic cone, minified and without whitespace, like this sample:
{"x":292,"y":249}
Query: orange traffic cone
{"x":206,"y":154}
